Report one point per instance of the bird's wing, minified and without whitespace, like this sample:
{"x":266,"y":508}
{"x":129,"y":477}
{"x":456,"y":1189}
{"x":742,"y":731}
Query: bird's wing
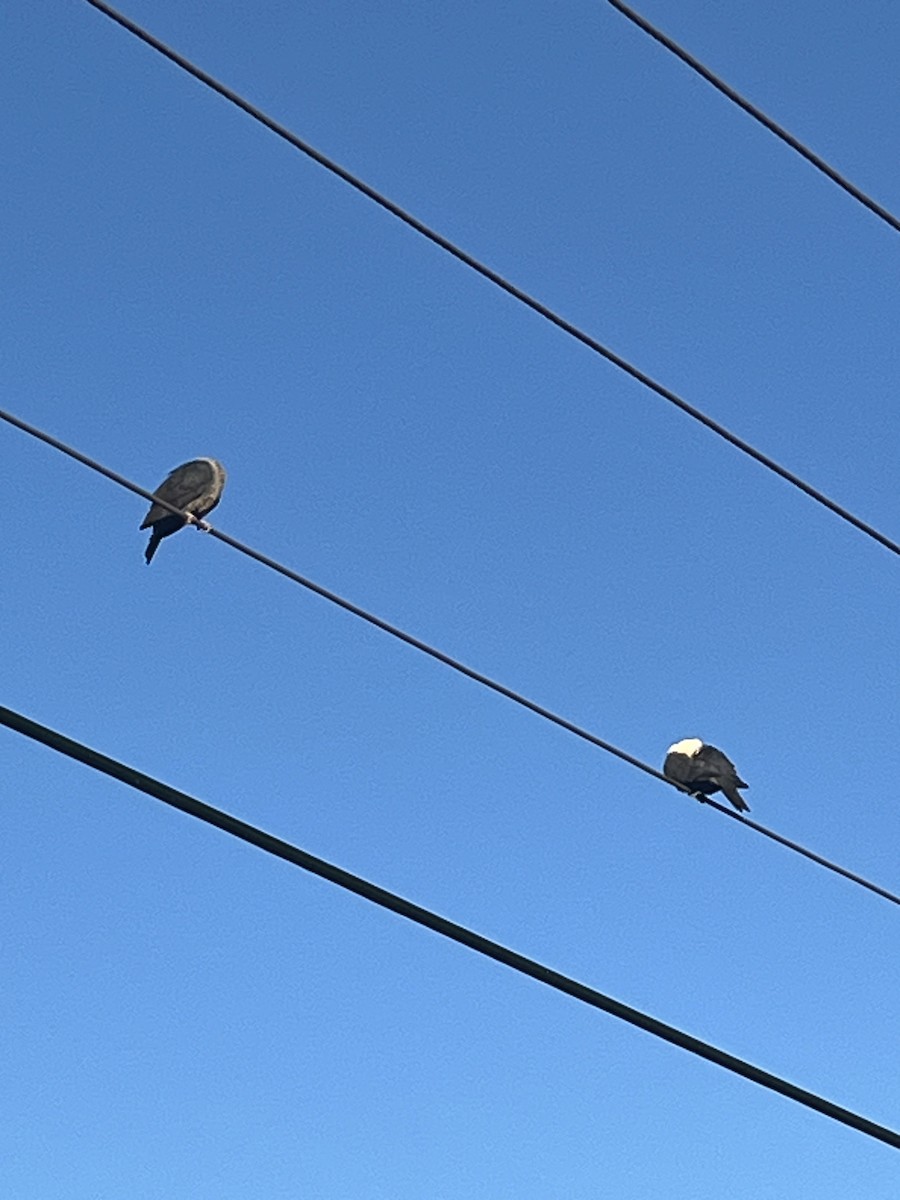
{"x":185,"y":487}
{"x":682,"y":769}
{"x":720,"y":766}
{"x":187,"y":483}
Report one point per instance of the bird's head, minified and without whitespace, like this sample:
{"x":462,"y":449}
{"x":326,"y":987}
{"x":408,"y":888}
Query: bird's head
{"x":687,"y":746}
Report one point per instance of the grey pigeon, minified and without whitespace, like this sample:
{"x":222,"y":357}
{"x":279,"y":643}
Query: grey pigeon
{"x":704,"y":769}
{"x":195,"y":487}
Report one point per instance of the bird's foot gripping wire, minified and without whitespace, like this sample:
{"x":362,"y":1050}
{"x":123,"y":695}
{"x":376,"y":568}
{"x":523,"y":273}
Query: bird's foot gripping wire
{"x":700,"y":796}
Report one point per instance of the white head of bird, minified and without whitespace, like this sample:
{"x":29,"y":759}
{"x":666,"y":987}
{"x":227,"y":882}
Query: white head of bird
{"x":687,"y":746}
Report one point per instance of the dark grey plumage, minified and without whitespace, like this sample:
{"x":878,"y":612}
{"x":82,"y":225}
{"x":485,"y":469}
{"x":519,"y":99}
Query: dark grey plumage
{"x":704,"y":769}
{"x":195,"y":486}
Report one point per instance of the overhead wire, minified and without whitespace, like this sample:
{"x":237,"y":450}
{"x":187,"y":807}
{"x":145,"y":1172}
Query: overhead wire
{"x":356,"y":884}
{"x":448,"y":661}
{"x":493,"y":276}
{"x":758,"y":115}
{"x":441,"y":925}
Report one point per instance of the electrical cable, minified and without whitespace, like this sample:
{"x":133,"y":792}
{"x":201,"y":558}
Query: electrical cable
{"x":447,"y":660}
{"x":488,"y":273}
{"x":758,"y":115}
{"x":441,"y":925}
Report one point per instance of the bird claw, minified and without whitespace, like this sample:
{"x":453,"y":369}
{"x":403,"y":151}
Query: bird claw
{"x":203,"y":526}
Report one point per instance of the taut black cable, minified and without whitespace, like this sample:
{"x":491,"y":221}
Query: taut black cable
{"x":447,"y":660}
{"x":440,"y":925}
{"x":758,"y":115}
{"x":487,"y":273}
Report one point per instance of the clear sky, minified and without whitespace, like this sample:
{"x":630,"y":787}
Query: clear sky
{"x":182,"y":1016}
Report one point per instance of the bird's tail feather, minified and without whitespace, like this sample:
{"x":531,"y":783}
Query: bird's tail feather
{"x":736,"y":799}
{"x":152,"y":545}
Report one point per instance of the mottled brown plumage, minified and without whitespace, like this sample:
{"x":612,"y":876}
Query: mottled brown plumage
{"x":195,"y":486}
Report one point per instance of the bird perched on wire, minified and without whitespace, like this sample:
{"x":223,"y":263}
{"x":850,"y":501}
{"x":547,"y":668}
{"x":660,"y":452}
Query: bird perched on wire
{"x":704,"y":769}
{"x":196,"y":487}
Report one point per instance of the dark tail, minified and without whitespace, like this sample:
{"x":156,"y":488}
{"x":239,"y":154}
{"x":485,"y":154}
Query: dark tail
{"x":155,"y":539}
{"x":736,"y":798}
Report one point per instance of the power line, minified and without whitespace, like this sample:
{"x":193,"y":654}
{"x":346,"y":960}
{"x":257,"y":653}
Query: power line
{"x":440,"y":925}
{"x":488,"y":273}
{"x":758,"y":115}
{"x":448,"y":661}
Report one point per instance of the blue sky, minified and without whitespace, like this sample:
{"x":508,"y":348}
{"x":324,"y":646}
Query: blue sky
{"x":183,"y":1016}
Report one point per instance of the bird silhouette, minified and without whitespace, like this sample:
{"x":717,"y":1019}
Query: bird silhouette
{"x":704,"y":769}
{"x":195,"y":486}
